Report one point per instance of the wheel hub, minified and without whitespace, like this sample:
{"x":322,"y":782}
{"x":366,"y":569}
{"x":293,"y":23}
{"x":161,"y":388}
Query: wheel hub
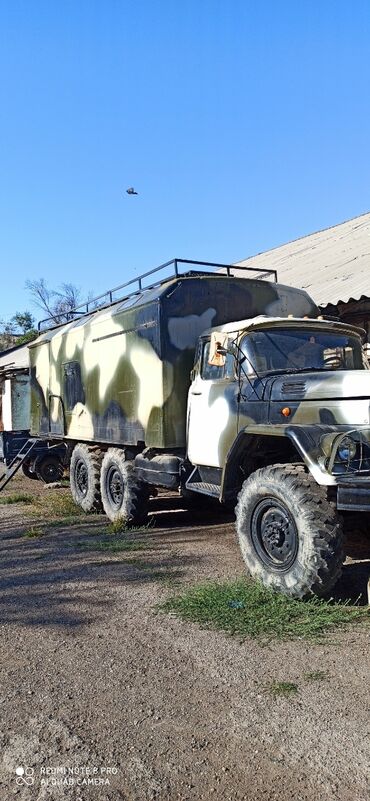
{"x":115,"y":487}
{"x":275,"y":528}
{"x":274,"y":534}
{"x":82,"y":478}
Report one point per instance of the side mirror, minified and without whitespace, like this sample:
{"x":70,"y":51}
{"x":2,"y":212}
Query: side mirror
{"x":218,"y":349}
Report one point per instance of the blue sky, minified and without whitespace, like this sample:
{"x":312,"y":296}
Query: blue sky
{"x":241,"y":123}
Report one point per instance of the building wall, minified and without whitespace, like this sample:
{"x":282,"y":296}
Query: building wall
{"x":15,"y":403}
{"x":356,"y":312}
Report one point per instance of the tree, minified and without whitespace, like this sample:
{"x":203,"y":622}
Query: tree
{"x":23,"y":320}
{"x":55,"y":303}
{"x":18,"y":330}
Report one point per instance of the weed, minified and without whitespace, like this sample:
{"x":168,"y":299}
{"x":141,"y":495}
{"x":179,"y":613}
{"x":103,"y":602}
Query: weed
{"x":58,"y":505}
{"x":34,"y":531}
{"x":18,"y":497}
{"x":121,"y":526}
{"x":282,"y":688}
{"x":316,"y":675}
{"x":118,"y":526}
{"x":247,"y":609}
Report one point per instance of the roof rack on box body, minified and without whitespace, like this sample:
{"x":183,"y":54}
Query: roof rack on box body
{"x":92,"y":305}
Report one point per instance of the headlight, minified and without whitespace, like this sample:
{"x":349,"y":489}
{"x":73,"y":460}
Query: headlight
{"x":347,"y":449}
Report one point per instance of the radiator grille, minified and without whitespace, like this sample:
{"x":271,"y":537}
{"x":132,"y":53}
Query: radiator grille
{"x":296,"y":388}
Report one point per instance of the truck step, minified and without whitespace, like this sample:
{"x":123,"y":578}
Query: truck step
{"x":204,"y":488}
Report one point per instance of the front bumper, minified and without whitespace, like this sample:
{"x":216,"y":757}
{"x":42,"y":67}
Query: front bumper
{"x":354,"y":493}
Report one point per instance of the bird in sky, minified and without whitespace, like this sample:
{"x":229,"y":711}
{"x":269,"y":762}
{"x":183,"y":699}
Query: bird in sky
{"x":131,"y":191}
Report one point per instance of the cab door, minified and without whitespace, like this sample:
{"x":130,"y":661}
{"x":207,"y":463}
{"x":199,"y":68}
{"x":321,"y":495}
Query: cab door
{"x":212,"y":409}
{"x":253,"y":403}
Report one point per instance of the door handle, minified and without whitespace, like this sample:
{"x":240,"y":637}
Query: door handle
{"x":196,"y":393}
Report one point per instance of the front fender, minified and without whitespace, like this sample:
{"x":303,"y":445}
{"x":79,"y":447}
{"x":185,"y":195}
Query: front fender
{"x":311,"y":443}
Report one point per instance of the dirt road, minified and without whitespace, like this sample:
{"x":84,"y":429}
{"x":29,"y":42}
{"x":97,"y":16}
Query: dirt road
{"x":97,"y":686}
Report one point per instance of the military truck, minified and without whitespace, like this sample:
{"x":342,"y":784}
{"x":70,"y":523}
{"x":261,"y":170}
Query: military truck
{"x":211,"y":385}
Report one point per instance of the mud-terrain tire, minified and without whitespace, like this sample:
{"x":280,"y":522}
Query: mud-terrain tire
{"x":84,"y":477}
{"x":290,"y":536}
{"x":49,"y":468}
{"x":124,"y":496}
{"x":26,"y":470}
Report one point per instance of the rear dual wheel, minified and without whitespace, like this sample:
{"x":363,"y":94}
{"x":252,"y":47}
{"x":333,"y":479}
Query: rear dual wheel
{"x":84,"y":476}
{"x":108,"y":483}
{"x":124,"y":496}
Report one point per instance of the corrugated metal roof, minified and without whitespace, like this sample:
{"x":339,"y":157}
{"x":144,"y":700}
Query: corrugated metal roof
{"x":331,"y":265}
{"x":14,"y":358}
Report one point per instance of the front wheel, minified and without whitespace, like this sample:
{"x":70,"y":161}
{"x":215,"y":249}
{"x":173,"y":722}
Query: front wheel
{"x":290,"y":536}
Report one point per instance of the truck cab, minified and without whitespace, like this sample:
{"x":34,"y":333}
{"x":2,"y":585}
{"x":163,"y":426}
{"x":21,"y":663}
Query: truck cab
{"x":278,"y":422}
{"x":282,"y":378}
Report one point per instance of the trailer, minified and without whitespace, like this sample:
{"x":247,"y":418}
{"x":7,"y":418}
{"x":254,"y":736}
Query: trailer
{"x":38,"y":459}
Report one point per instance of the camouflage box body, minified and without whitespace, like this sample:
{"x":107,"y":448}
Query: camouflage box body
{"x":121,"y":375}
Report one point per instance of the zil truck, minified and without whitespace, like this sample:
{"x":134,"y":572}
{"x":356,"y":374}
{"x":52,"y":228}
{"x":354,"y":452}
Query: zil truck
{"x":220,"y":386}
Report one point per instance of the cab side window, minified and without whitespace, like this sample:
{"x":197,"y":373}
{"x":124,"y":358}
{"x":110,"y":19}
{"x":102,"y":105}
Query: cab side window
{"x":211,"y":372}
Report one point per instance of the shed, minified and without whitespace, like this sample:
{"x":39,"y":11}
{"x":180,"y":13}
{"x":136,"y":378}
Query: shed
{"x":332,"y":265}
{"x":14,"y":389}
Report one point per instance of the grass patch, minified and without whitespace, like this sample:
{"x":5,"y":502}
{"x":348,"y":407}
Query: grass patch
{"x":34,"y":531}
{"x":59,"y":505}
{"x":121,"y":526}
{"x":112,"y":544}
{"x":247,"y":609}
{"x":282,"y":688}
{"x":17,"y":497}
{"x":316,"y":675}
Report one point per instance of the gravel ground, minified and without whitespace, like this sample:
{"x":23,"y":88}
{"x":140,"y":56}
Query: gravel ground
{"x":94,"y":681}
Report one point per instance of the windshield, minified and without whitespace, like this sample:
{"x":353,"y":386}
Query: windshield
{"x":284,"y":349}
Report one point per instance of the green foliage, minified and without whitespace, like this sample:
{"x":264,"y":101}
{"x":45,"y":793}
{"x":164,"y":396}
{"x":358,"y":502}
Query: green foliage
{"x":18,"y":497}
{"x":20,"y":322}
{"x":282,"y":688}
{"x":58,"y":504}
{"x":24,"y":321}
{"x":28,"y":337}
{"x":316,"y":675}
{"x":34,"y":531}
{"x":247,"y":609}
{"x":120,"y":526}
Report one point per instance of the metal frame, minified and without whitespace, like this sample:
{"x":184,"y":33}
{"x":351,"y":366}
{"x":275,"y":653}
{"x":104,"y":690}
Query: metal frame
{"x":86,"y":307}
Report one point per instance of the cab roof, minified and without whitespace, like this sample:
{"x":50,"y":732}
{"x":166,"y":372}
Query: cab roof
{"x":263,"y":321}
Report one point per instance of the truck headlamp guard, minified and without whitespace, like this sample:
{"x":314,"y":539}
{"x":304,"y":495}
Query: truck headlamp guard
{"x":349,"y":452}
